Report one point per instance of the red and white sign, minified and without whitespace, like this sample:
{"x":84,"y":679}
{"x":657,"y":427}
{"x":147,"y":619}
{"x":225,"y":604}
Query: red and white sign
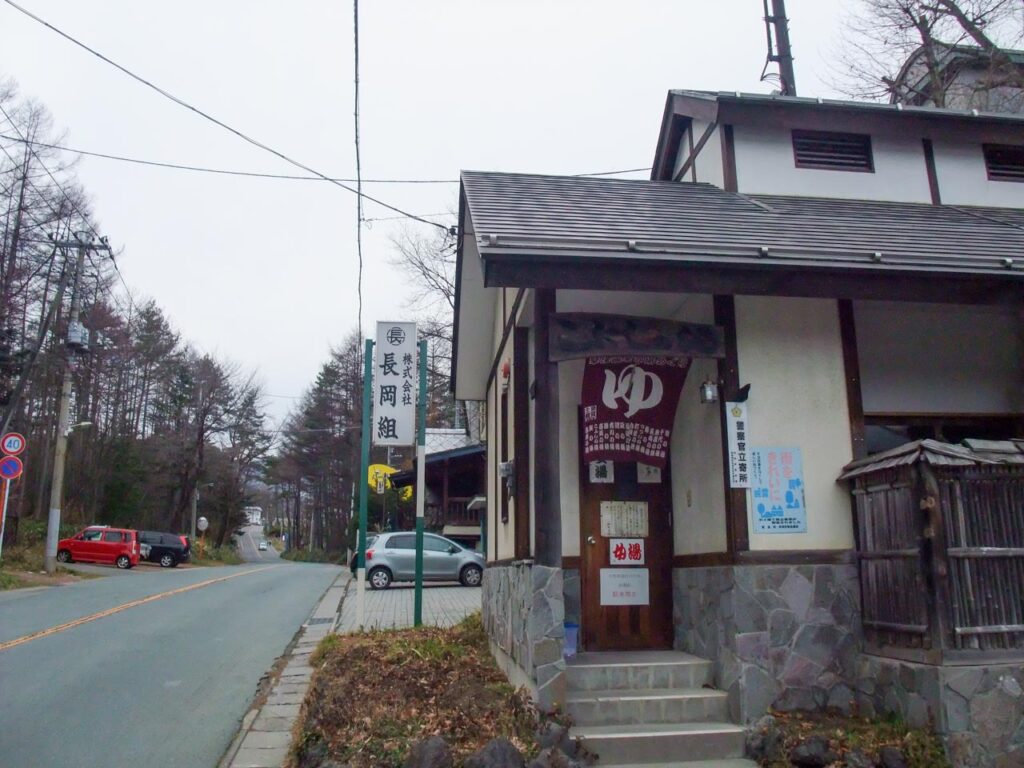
{"x":10,"y":468}
{"x":629,"y":405}
{"x":626,"y":551}
{"x":12,"y":443}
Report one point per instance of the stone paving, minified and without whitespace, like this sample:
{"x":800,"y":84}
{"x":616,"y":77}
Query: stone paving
{"x":392,"y":608}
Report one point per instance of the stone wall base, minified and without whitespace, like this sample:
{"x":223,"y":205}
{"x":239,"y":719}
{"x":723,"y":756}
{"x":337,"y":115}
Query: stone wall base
{"x":977,"y":709}
{"x":781,"y":636}
{"x":523,"y":608}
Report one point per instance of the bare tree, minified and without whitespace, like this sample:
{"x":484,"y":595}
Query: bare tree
{"x":955,"y":53}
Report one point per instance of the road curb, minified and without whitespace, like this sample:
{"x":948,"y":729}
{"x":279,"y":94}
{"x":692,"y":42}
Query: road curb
{"x":268,"y":747}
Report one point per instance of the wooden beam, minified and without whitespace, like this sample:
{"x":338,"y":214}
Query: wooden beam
{"x":547,"y":501}
{"x":694,"y":150}
{"x":736,"y":530}
{"x":753,"y":280}
{"x":521,"y":438}
{"x":851,"y":367}
{"x":933,"y":176}
{"x":730,"y":179}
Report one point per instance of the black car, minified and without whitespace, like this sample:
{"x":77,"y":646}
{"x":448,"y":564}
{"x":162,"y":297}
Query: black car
{"x":168,"y":549}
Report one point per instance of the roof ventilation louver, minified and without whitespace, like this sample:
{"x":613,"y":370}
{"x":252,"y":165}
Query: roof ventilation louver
{"x":828,"y":150}
{"x":1004,"y":162}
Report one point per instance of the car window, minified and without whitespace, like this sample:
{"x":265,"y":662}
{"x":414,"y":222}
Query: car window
{"x":401,"y":542}
{"x":370,"y":540}
{"x":430,"y":544}
{"x":113,"y":536}
{"x":91,"y":535}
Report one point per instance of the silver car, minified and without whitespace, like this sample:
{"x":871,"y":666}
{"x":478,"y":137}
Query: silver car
{"x":392,"y":557}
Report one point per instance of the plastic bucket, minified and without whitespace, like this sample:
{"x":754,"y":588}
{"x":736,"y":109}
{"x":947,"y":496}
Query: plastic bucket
{"x":572,"y":634}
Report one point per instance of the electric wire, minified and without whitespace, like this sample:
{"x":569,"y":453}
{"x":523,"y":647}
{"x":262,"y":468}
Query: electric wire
{"x":206,"y":116}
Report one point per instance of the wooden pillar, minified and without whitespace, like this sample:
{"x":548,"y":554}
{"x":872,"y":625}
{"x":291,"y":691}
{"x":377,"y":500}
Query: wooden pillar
{"x":736,"y":530}
{"x":521,"y":439}
{"x":547,"y":511}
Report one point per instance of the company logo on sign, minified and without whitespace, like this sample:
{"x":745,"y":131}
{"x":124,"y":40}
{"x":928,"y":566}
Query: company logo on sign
{"x":638,"y":389}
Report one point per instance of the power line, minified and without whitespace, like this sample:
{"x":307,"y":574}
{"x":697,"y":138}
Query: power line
{"x":219,"y":171}
{"x":206,"y":116}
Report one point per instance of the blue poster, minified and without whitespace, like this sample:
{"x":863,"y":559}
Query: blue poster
{"x":777,"y":490}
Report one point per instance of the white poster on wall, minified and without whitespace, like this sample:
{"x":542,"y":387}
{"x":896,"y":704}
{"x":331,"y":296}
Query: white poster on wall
{"x":394,"y":385}
{"x":736,"y":424}
{"x":625,"y":586}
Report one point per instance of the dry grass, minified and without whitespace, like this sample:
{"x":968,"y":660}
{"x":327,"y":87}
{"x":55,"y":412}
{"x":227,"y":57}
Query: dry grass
{"x":374,"y":694}
{"x":922,"y":748}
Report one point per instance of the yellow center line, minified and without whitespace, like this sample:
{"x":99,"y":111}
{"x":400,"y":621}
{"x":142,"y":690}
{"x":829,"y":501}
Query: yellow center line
{"x":117,"y":609}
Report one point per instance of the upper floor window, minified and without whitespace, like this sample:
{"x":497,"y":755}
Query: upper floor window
{"x":832,"y":151}
{"x":1004,"y":162}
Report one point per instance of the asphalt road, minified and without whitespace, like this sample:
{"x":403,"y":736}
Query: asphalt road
{"x":163,"y":683}
{"x":249,"y":546}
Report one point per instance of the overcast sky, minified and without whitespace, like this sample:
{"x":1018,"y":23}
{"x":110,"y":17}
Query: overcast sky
{"x":263,"y":272}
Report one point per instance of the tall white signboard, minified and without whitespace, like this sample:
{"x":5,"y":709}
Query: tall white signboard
{"x":394,"y":385}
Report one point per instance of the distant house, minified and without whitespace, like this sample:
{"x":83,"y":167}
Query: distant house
{"x":455,"y":476}
{"x":961,"y":77}
{"x":676,"y":372}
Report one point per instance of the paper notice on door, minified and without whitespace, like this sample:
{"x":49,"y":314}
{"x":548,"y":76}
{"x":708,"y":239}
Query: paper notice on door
{"x":624,"y":519}
{"x":625,"y":586}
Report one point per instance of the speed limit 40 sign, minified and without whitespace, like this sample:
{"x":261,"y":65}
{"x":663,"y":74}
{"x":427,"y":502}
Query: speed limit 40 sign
{"x":12,"y":443}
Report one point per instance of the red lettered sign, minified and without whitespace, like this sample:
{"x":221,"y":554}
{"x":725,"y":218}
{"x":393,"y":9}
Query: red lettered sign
{"x":629,"y":404}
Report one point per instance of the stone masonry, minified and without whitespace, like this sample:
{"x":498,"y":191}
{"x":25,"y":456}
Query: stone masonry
{"x":524,"y":614}
{"x":978,"y":710}
{"x":780,"y":636}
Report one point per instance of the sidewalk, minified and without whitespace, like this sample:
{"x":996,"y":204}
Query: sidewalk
{"x":266,"y":731}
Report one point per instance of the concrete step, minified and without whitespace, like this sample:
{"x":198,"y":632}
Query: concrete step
{"x":729,"y":763}
{"x":651,"y":705}
{"x":624,"y":670}
{"x":645,"y":744}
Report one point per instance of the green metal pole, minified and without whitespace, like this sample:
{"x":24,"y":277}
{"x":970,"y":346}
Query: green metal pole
{"x":363,"y":474}
{"x":421,"y":488}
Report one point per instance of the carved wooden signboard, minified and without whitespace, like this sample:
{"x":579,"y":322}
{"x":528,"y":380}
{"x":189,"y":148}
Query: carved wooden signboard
{"x":580,"y":334}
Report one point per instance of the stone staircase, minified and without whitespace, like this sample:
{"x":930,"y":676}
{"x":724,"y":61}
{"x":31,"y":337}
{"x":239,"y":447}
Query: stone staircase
{"x":651,"y":709}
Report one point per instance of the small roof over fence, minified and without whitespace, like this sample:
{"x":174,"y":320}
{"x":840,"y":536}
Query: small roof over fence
{"x":936,"y":453}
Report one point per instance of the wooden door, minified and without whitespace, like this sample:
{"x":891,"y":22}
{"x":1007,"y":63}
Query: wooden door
{"x":626,"y":627}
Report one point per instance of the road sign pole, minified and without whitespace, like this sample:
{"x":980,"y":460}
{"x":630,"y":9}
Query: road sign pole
{"x":3,"y":515}
{"x":364,"y":490}
{"x":421,"y":486}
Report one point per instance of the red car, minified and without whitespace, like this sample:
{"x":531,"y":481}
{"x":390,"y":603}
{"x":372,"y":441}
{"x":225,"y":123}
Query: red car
{"x":99,"y":544}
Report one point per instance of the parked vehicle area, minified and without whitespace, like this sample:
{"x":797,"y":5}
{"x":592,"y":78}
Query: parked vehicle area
{"x":167,"y":549}
{"x":101,"y":544}
{"x":391,"y":557}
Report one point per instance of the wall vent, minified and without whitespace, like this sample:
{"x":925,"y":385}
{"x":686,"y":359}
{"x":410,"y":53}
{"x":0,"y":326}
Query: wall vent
{"x":830,"y":151}
{"x":1004,"y":162}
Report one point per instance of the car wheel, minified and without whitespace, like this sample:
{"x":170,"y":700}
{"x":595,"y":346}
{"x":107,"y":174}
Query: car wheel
{"x":167,"y":560}
{"x":64,"y":556}
{"x":380,"y":578}
{"x":123,"y":562}
{"x":471,"y":576}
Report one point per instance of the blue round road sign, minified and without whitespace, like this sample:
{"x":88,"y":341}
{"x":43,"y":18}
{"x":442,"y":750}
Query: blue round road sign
{"x":10,"y":467}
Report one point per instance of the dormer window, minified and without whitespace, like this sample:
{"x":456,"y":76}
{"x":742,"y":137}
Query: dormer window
{"x":1004,"y":162}
{"x":832,"y":151}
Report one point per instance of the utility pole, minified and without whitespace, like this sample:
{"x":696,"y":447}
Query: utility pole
{"x":784,"y":57}
{"x":64,"y":414}
{"x":195,"y":489}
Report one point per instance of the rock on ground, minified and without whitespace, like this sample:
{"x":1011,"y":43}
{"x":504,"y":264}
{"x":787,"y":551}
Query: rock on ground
{"x":497,"y":753}
{"x":429,"y":753}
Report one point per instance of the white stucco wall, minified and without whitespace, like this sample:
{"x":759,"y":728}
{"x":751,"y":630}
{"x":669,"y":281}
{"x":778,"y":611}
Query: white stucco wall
{"x":570,"y":390}
{"x":963,"y":180}
{"x":698,"y":490}
{"x":934,"y":358}
{"x":790,"y":352}
{"x":709,"y":159}
{"x":765,"y":165}
{"x":501,"y":536}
